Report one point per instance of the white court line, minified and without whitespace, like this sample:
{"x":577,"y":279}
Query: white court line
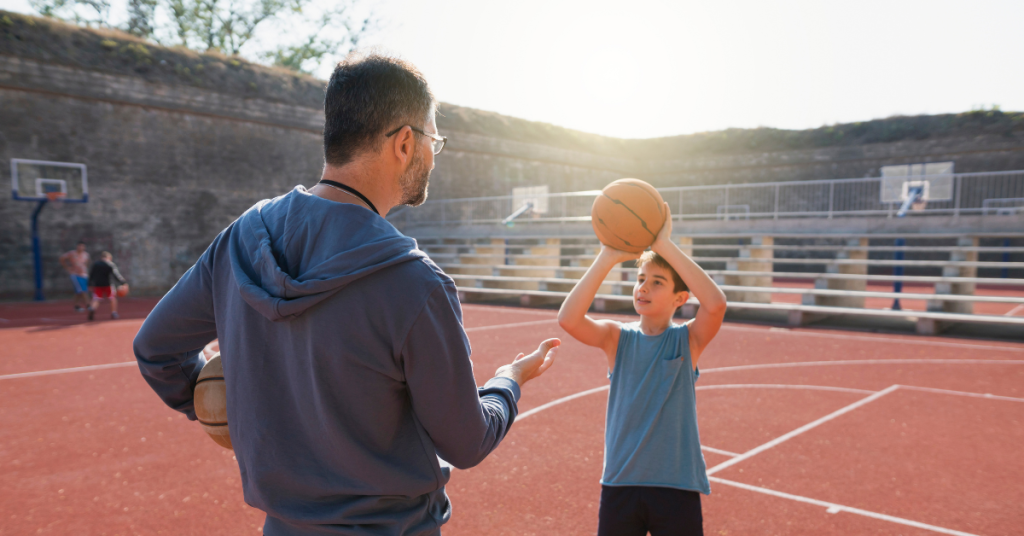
{"x":1015,"y":309}
{"x":786,"y":437}
{"x":836,"y":508}
{"x":127,"y":363}
{"x":896,"y":340}
{"x":562,"y":400}
{"x":515,"y":325}
{"x":520,"y":310}
{"x":66,"y":370}
{"x":867,"y":362}
{"x":962,"y":393}
{"x":785,"y":386}
{"x":581,"y":394}
{"x":718,"y":451}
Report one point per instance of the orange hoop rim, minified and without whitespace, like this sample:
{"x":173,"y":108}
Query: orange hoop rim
{"x":55,"y":196}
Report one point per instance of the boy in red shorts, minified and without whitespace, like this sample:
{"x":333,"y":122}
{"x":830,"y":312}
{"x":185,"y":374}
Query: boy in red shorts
{"x":99,"y":279}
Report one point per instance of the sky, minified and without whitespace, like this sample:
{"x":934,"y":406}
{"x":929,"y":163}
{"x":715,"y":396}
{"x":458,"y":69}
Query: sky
{"x":645,"y":68}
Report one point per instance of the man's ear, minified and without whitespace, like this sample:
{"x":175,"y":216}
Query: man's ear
{"x":403,"y":145}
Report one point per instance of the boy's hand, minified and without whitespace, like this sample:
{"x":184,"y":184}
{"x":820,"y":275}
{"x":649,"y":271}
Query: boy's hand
{"x":527,"y":367}
{"x":617,"y":256}
{"x":665,"y":235}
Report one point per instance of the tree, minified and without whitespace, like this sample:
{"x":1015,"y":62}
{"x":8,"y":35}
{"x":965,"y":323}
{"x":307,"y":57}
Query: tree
{"x":83,"y":12}
{"x":140,"y":17}
{"x":305,"y":36}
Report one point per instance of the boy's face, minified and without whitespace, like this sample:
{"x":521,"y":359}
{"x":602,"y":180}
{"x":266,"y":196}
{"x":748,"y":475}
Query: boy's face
{"x":654,"y":292}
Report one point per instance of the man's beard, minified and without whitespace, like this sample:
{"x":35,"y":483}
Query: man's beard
{"x":414,"y":182}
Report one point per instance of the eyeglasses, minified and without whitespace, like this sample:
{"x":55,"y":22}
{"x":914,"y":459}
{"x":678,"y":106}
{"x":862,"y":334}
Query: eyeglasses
{"x":436,"y":145}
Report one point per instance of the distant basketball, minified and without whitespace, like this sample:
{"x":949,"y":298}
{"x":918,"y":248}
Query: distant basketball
{"x":627,"y":215}
{"x":122,"y":291}
{"x":211,"y":401}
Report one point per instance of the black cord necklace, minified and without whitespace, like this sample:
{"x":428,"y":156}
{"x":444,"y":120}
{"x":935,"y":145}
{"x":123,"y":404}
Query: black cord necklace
{"x":352,"y":191}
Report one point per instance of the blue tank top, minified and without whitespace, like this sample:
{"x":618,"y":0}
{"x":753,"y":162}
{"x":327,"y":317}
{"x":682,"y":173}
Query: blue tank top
{"x":651,"y":436}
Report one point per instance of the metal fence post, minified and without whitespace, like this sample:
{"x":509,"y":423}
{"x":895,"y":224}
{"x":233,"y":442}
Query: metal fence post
{"x":959,"y":190}
{"x":831,"y":197}
{"x":727,"y":201}
{"x":776,"y":202}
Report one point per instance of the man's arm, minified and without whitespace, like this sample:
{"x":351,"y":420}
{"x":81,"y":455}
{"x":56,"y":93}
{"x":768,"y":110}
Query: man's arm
{"x":572,"y":316}
{"x":169,"y":345}
{"x":464,"y":423}
{"x":709,"y":317}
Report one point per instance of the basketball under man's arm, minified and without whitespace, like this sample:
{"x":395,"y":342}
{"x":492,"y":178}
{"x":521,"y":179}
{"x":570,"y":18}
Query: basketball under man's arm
{"x":572,"y":316}
{"x":709,"y":317}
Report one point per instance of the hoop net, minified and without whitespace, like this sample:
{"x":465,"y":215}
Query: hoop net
{"x":56,"y":198}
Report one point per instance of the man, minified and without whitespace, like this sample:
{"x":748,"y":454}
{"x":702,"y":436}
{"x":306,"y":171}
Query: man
{"x":100,"y":274}
{"x":76,"y":263}
{"x":346,"y":364}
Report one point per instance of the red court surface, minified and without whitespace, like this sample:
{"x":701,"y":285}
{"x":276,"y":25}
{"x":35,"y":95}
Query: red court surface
{"x":805,"y":431}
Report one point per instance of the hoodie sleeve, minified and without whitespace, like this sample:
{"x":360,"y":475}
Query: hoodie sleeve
{"x":169,"y":345}
{"x":465,"y":423}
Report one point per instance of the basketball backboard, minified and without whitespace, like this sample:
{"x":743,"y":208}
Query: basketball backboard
{"x":934,"y":178}
{"x":33,"y":180}
{"x":536,"y":195}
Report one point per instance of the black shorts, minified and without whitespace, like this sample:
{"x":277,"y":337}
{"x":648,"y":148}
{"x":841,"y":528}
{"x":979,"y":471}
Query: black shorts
{"x":635,"y":510}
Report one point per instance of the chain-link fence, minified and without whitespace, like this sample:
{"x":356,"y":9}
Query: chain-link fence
{"x":973,"y":193}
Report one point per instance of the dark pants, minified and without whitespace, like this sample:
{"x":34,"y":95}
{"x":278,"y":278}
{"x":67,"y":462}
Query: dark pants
{"x":635,"y":510}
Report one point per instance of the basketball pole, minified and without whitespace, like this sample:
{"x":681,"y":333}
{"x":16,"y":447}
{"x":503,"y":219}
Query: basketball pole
{"x":37,"y":256}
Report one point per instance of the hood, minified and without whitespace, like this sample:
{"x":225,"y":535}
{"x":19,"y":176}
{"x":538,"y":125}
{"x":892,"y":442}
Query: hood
{"x":292,"y":252}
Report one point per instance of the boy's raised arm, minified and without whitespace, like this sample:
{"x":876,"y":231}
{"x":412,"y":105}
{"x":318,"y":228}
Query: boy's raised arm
{"x":572,"y":316}
{"x":712,"y":300}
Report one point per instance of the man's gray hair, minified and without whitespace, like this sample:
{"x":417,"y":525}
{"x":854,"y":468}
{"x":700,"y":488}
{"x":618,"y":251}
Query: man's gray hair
{"x":367,"y":96}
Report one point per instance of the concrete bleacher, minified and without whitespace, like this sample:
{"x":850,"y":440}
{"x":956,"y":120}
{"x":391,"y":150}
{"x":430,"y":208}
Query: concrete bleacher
{"x":541,"y":270}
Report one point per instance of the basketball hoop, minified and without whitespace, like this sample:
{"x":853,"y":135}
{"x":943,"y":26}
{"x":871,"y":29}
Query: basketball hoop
{"x":56,"y":198}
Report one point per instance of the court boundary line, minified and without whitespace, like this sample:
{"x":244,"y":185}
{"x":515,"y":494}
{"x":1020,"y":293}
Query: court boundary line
{"x":796,"y":386}
{"x":898,"y":361}
{"x":514,"y":325}
{"x":884,"y":339}
{"x":718,"y":451}
{"x":521,"y":310}
{"x":66,"y":370}
{"x":127,"y":363}
{"x":1013,"y":312}
{"x":834,"y":508}
{"x":805,"y":428}
{"x":984,"y":396}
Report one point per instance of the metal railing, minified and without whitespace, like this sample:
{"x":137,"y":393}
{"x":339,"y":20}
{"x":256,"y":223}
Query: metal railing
{"x":973,"y":193}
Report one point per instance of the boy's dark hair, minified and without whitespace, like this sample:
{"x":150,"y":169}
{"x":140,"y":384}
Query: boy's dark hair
{"x":106,"y":255}
{"x":80,"y":243}
{"x":677,"y":282}
{"x":365,"y":97}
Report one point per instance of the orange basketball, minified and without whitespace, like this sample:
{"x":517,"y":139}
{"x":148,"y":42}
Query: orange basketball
{"x":627,"y":215}
{"x":122,"y":291}
{"x":211,"y":402}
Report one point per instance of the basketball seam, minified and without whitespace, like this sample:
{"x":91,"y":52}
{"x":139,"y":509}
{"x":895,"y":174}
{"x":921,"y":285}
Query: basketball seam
{"x":661,"y":204}
{"x":637,"y":216}
{"x":609,"y":229}
{"x":209,"y":379}
{"x":204,"y":423}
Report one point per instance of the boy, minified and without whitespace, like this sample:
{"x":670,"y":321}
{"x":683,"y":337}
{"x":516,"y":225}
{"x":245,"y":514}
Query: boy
{"x":76,"y":263}
{"x":99,"y":280}
{"x":653,"y":466}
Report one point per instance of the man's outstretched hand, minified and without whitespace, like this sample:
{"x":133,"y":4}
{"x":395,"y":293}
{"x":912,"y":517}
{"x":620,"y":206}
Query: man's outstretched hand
{"x":527,"y":367}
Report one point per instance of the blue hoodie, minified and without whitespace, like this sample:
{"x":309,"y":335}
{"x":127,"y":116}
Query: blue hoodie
{"x":347,"y":368}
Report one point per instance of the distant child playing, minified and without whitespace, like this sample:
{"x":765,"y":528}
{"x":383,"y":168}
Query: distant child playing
{"x":654,"y":470}
{"x":99,"y":279}
{"x":76,"y":262}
